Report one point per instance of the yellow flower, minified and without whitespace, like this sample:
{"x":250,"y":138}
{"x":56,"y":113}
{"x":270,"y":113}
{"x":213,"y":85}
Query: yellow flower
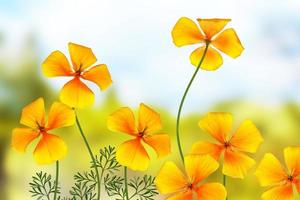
{"x":186,"y":32}
{"x":75,"y":93}
{"x":270,"y":173}
{"x":182,"y":186}
{"x":247,"y":138}
{"x":132,"y":152}
{"x":50,"y":148}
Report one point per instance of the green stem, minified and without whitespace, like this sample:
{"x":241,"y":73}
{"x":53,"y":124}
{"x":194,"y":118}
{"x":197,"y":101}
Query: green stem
{"x":56,"y":179}
{"x":125,"y":179}
{"x":182,"y":102}
{"x":91,"y":155}
{"x":224,"y":183}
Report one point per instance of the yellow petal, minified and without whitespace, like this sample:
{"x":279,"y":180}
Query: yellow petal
{"x":76,"y":94}
{"x":56,"y":64}
{"x":185,"y":195}
{"x":203,"y":148}
{"x":33,"y":115}
{"x":99,"y":75}
{"x":212,"y":26}
{"x":198,"y":167}
{"x":149,"y":120}
{"x":133,"y":155}
{"x":21,"y":137}
{"x":229,"y":43}
{"x":236,"y":164}
{"x":284,"y":192}
{"x":170,"y":179}
{"x":270,"y":171}
{"x":292,"y":160}
{"x":186,"y":32}
{"x":211,"y":191}
{"x":160,"y":143}
{"x":60,"y":115}
{"x":50,"y":149}
{"x":247,"y":137}
{"x":212,"y":60}
{"x":217,"y":125}
{"x":82,"y":57}
{"x":122,"y":121}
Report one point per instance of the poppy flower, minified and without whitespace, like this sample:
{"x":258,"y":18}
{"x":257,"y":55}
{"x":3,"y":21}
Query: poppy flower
{"x":187,"y":32}
{"x":50,"y":148}
{"x":75,"y":93}
{"x":184,"y":185}
{"x":132,"y":152}
{"x":247,"y":138}
{"x":271,"y":173}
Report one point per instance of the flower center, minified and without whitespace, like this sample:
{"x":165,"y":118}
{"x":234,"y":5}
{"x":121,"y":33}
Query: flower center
{"x":290,"y":178}
{"x":190,"y":186}
{"x":142,"y":133}
{"x":226,"y":144}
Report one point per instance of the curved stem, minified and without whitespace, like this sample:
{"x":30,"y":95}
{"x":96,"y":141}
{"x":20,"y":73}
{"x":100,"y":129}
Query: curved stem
{"x":182,"y":102}
{"x":56,"y":179}
{"x":91,"y":155}
{"x":125,"y":179}
{"x":224,"y":183}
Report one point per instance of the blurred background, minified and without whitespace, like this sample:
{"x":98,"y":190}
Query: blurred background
{"x":133,"y":38}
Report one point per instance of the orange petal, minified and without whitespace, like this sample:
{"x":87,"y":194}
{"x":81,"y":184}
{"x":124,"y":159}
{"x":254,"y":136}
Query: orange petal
{"x":185,"y":195}
{"x":229,"y":43}
{"x":292,"y":160}
{"x":203,"y":148}
{"x":160,"y":143}
{"x":212,"y":26}
{"x":170,"y":179}
{"x":270,"y":171}
{"x":149,"y":120}
{"x":33,"y":115}
{"x":122,"y":121}
{"x":297,"y":183}
{"x":198,"y":167}
{"x":21,"y":137}
{"x":76,"y":94}
{"x":211,"y":191}
{"x":50,"y":149}
{"x":133,"y":155}
{"x":99,"y":75}
{"x":60,"y":115}
{"x":236,"y":164}
{"x":212,"y":60}
{"x":56,"y":64}
{"x":247,"y":137}
{"x":284,"y":192}
{"x":82,"y":57}
{"x":186,"y":32}
{"x":217,"y":125}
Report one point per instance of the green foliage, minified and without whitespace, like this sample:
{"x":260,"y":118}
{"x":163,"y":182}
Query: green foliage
{"x":106,"y":160}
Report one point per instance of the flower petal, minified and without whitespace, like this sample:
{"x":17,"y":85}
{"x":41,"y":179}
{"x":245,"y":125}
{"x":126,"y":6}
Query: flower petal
{"x":186,"y":32}
{"x":236,"y":164}
{"x":211,"y":191}
{"x":99,"y":75}
{"x":297,"y":183}
{"x":160,"y":143}
{"x":149,"y":120}
{"x":292,"y":160}
{"x":21,"y":137}
{"x":123,"y":121}
{"x":133,"y":155}
{"x":60,"y":115}
{"x":185,"y":195}
{"x":198,"y":167}
{"x":50,"y":149}
{"x":270,"y":171}
{"x":212,"y":60}
{"x":217,"y":125}
{"x":203,"y":148}
{"x":229,"y":43}
{"x":247,"y":138}
{"x":82,"y":57}
{"x":170,"y":179}
{"x":76,"y":94}
{"x":33,"y":115}
{"x":284,"y":192}
{"x":212,"y":26}
{"x":56,"y":64}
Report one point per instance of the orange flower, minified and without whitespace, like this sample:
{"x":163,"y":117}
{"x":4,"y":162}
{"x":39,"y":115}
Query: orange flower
{"x":246,"y":139}
{"x":271,"y":173}
{"x":50,"y":147}
{"x":132,"y":152}
{"x":183,"y":186}
{"x":75,"y":93}
{"x":186,"y":32}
